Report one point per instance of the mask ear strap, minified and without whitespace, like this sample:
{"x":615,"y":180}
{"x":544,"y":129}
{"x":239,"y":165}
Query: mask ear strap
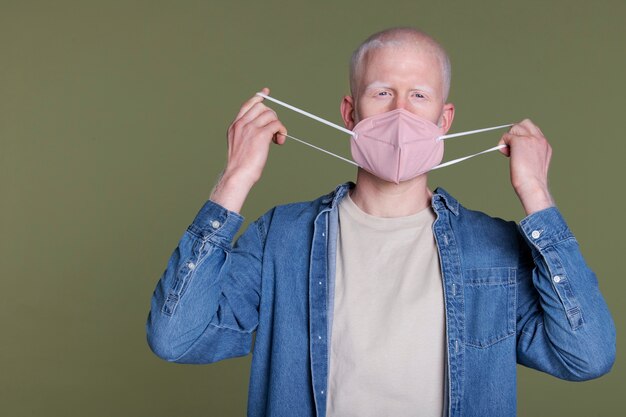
{"x":314,"y":117}
{"x":320,"y":149}
{"x":456,"y":161}
{"x":306,"y":113}
{"x":471,"y":132}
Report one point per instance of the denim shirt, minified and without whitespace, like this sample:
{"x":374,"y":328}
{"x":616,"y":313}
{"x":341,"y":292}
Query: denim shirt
{"x":512,"y":294}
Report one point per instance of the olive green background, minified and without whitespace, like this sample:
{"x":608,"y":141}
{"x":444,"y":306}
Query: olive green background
{"x":112,"y":126}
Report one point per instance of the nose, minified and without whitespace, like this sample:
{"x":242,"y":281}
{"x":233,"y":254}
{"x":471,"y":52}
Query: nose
{"x":400,"y":103}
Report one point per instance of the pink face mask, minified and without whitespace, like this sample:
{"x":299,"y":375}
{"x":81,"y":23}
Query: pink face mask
{"x":395,"y":146}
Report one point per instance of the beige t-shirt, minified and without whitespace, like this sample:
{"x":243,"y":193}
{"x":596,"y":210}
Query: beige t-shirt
{"x":388,"y":328}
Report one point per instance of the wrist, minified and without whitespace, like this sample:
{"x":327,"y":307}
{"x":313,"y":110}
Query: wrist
{"x":237,"y":179}
{"x":231,"y":191}
{"x":535,"y":198}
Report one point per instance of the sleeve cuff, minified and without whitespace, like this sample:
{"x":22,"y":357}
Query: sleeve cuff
{"x":545,"y":228}
{"x":216,"y":222}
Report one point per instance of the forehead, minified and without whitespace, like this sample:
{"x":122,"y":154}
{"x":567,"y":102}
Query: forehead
{"x":406,"y":64}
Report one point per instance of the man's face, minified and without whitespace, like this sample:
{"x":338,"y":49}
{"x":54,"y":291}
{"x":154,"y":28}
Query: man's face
{"x":401,"y":77}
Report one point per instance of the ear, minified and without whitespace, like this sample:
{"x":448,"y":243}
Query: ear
{"x":446,"y":117}
{"x":347,"y":112}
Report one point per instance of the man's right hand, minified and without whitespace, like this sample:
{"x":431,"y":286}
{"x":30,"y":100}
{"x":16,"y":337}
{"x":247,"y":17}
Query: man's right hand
{"x":249,"y":139}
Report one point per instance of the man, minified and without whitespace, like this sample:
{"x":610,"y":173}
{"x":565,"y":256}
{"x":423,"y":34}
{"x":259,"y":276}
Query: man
{"x":383,"y":298}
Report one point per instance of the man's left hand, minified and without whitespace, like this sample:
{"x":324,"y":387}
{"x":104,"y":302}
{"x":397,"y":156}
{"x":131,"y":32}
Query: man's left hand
{"x":530,"y":155}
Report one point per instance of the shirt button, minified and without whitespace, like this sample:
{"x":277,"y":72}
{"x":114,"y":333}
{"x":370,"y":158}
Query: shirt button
{"x":556,"y":279}
{"x":535,"y":234}
{"x":215,"y":224}
{"x":322,"y":391}
{"x":320,"y":282}
{"x":319,"y":337}
{"x":191,"y":265}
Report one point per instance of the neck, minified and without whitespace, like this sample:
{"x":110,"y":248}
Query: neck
{"x":386,"y":199}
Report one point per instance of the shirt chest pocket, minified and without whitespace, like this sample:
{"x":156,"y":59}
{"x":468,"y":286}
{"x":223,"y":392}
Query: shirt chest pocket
{"x":490,"y":302}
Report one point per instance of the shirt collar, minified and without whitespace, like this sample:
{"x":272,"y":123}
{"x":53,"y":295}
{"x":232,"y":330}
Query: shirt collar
{"x":441,"y":198}
{"x":335,"y":197}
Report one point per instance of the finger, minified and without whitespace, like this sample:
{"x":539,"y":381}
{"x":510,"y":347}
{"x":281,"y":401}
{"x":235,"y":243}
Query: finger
{"x":262,"y":119}
{"x":508,"y":138}
{"x":520,"y":129}
{"x":505,"y":151}
{"x":251,"y":102}
{"x":239,"y":124}
{"x":272,"y":129}
{"x":533,"y":128}
{"x":253,"y":113}
{"x":281,"y":137}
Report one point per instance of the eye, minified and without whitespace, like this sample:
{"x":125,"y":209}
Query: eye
{"x":382,"y":93}
{"x":419,"y":95}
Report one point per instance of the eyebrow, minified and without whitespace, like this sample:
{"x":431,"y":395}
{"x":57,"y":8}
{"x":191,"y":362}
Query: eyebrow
{"x":378,"y":84}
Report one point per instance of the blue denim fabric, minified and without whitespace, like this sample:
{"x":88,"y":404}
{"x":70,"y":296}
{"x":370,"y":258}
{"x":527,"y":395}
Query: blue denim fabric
{"x":513,"y":294}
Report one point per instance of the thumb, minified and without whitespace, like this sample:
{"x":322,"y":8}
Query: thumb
{"x":505,"y":151}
